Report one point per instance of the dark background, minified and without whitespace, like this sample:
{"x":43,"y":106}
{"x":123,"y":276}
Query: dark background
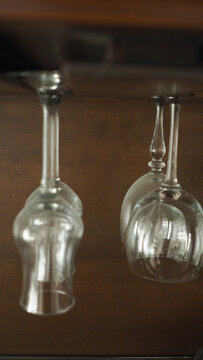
{"x":104,"y":148}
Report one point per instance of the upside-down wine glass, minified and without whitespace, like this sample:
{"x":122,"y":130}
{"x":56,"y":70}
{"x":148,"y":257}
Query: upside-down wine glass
{"x":49,"y":227}
{"x":151,"y":180}
{"x":56,"y":81}
{"x":164,"y":240}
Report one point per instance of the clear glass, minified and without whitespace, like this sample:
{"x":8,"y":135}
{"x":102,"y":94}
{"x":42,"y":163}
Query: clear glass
{"x":44,"y":83}
{"x":50,"y":87}
{"x":49,"y":228}
{"x":164,"y":239}
{"x":151,"y":180}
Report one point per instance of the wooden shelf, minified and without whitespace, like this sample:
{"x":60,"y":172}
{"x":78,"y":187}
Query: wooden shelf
{"x":173,"y":14}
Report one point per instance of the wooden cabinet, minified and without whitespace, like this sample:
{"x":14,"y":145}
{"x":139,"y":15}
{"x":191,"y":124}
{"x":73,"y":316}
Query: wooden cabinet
{"x":104,"y":147}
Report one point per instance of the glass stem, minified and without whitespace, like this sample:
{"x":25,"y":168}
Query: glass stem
{"x":157,"y":147}
{"x":50,"y":147}
{"x":171,"y":179}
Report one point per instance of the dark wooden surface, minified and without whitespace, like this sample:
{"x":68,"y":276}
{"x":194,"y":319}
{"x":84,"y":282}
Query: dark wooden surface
{"x":27,"y":357}
{"x":183,"y":14}
{"x":45,"y":34}
{"x":103,"y":149}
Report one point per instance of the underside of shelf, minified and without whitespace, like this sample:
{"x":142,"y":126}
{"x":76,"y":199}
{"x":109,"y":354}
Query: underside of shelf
{"x":97,"y":61}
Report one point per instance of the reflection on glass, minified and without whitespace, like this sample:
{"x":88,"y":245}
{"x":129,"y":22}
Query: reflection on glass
{"x":164,"y":240}
{"x":49,"y":227}
{"x":151,"y":180}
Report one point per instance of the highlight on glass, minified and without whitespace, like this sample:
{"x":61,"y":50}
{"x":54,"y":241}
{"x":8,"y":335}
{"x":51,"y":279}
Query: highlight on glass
{"x":49,"y":228}
{"x":151,"y":180}
{"x":164,"y":240}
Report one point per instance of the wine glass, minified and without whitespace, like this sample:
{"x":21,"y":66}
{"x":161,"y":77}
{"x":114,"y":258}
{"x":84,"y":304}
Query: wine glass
{"x":151,"y":180}
{"x":43,"y":82}
{"x":164,"y":239}
{"x":49,"y":227}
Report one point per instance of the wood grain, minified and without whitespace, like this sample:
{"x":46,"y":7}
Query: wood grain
{"x":182,"y":14}
{"x":103,"y":149}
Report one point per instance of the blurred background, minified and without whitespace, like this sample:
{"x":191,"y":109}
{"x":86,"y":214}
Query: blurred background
{"x":116,"y":55}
